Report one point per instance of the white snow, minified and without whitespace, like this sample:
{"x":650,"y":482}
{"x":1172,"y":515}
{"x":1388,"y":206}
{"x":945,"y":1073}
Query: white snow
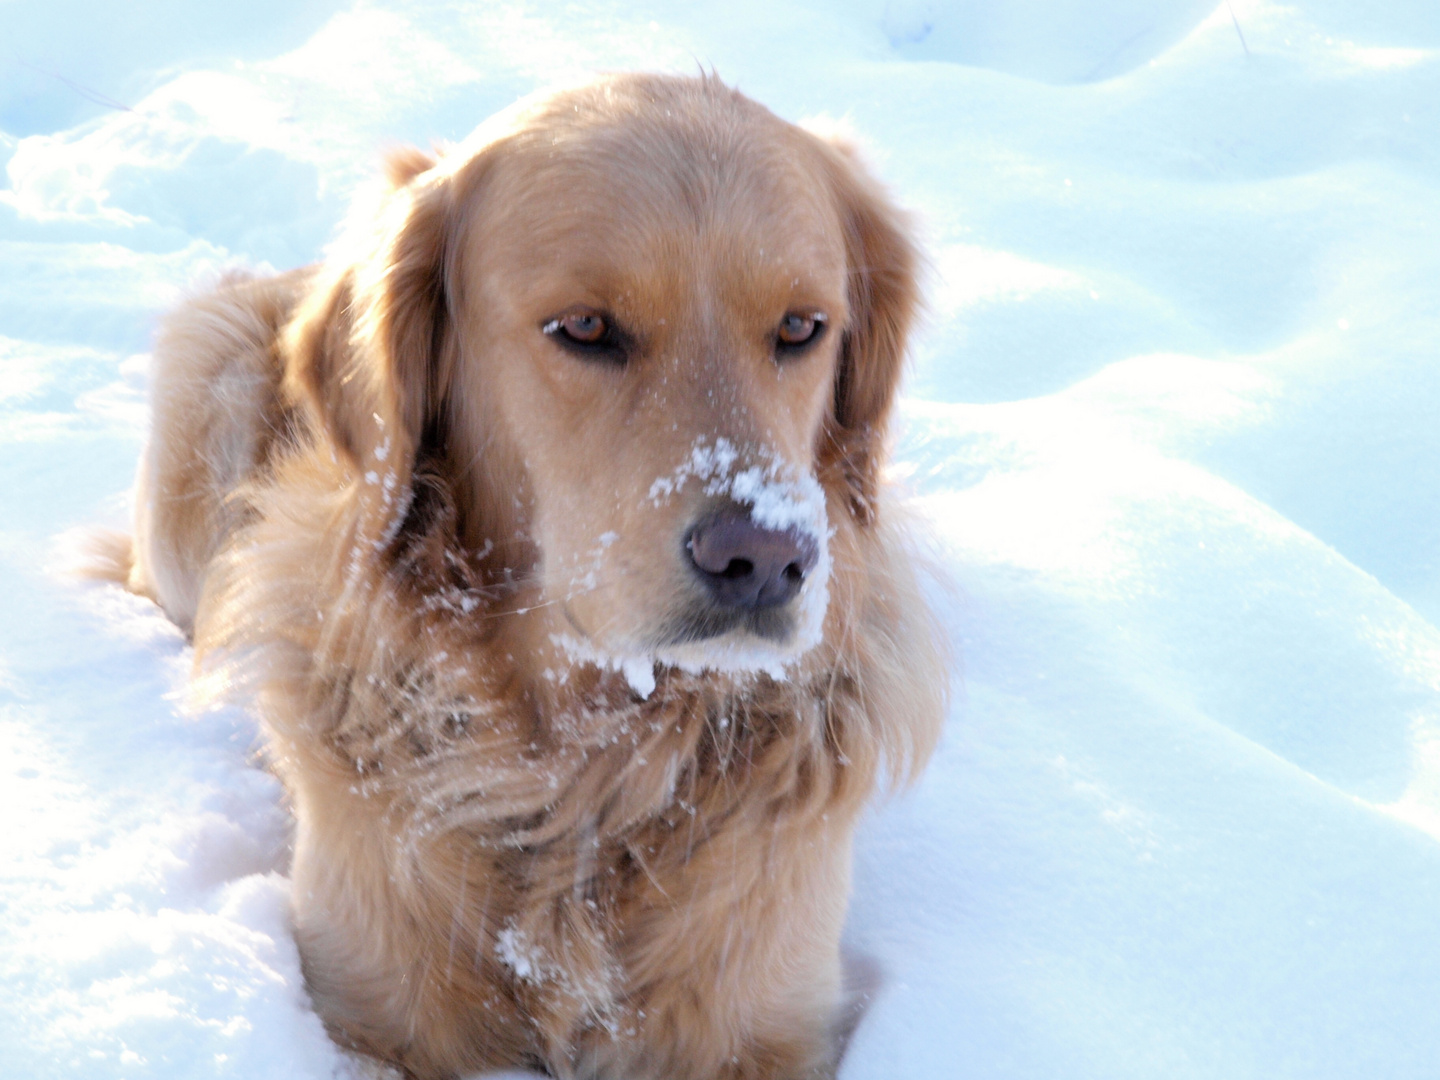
{"x":782,"y":502}
{"x":640,"y":674}
{"x":520,"y":955}
{"x":1172,"y":427}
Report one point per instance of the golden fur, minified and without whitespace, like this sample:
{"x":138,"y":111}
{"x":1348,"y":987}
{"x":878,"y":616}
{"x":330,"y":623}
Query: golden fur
{"x":373,"y":492}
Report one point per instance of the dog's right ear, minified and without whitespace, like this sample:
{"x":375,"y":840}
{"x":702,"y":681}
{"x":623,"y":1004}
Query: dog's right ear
{"x":370,"y":352}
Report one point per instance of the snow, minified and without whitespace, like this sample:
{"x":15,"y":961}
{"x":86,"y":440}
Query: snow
{"x":520,"y":955}
{"x":1170,"y":427}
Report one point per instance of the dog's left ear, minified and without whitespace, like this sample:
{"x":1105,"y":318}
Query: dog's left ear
{"x":369,"y":352}
{"x":884,"y":297}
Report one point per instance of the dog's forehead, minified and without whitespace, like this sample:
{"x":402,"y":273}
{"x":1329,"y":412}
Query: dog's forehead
{"x":648,"y":187}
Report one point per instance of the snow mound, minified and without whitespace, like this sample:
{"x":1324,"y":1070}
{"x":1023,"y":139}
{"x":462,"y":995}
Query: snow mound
{"x":1172,"y":424}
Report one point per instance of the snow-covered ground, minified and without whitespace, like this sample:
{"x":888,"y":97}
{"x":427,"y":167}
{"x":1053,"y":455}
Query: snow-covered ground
{"x":1175,"y":420}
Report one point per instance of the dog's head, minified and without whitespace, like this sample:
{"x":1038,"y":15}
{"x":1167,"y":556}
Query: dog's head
{"x":648,"y":335}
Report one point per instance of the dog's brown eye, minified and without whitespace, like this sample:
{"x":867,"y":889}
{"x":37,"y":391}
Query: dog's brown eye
{"x":798,"y":331}
{"x":588,"y":333}
{"x":586,"y":329}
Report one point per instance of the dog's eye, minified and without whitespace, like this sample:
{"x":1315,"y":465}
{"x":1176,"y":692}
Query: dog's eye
{"x":588,"y":333}
{"x":798,"y":332}
{"x":587,"y":329}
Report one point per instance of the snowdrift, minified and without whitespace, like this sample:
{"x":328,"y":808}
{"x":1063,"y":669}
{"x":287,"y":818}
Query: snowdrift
{"x":1171,"y":429}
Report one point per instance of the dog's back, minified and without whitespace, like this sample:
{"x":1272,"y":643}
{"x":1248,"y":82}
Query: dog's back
{"x":216,"y":412}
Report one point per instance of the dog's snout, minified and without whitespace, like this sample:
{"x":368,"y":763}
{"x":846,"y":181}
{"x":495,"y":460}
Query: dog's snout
{"x":745,"y":565}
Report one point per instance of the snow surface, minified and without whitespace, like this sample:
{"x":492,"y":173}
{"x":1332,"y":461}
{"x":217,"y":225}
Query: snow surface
{"x":1173,"y":425}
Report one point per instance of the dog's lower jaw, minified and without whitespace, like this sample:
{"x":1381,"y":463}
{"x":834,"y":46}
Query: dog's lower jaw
{"x":775,"y":627}
{"x":729,"y":643}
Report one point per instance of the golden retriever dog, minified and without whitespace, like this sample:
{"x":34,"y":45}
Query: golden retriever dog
{"x":544,"y":526}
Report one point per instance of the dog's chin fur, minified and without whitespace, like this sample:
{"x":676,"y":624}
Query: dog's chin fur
{"x":719,"y":631}
{"x":515,"y":847}
{"x":704,"y":637}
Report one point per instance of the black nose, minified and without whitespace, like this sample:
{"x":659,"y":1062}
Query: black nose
{"x":745,"y":565}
